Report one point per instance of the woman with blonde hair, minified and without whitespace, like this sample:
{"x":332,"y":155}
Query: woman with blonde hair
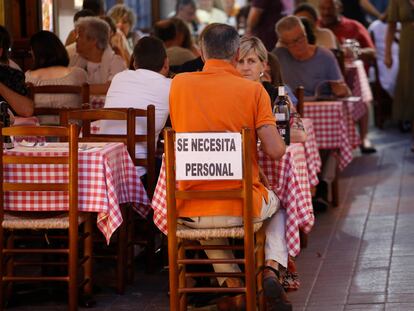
{"x":125,"y":20}
{"x":256,"y":64}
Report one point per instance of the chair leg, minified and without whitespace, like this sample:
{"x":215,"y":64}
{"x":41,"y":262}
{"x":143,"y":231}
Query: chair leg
{"x":150,"y":247}
{"x":87,"y":249}
{"x":182,"y":279}
{"x":73,"y":271}
{"x":2,"y":264}
{"x":260,"y":261}
{"x":173,"y":272}
{"x":130,"y":257}
{"x":335,"y":189}
{"x":122,"y":253}
{"x":9,"y":268}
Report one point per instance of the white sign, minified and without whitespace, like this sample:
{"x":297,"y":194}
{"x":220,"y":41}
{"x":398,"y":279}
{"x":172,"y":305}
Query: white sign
{"x":208,"y":156}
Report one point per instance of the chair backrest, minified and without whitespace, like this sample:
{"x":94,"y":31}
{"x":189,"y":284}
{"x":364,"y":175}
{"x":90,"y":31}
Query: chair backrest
{"x":300,"y":95}
{"x":71,"y":186}
{"x":97,"y":93}
{"x":340,"y":58}
{"x":245,"y":192}
{"x":98,"y":89}
{"x":82,"y":91}
{"x":130,"y":139}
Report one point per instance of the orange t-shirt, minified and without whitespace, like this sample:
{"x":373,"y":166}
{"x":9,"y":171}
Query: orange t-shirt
{"x":219,"y":99}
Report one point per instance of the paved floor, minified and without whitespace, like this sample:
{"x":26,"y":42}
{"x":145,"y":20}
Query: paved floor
{"x":360,"y":254}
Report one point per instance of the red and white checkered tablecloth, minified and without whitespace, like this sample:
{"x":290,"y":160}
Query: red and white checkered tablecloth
{"x":313,"y":158}
{"x":332,"y":127}
{"x":357,"y":79}
{"x":34,"y":121}
{"x":107,"y":178}
{"x":287,"y":177}
{"x":97,"y":102}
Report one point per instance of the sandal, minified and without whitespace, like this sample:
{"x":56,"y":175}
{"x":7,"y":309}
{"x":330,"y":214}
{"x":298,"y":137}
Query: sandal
{"x":275,"y":295}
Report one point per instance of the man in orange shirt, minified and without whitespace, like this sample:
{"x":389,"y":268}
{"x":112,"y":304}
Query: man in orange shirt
{"x":219,"y":99}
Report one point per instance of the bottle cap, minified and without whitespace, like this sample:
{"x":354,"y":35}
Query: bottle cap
{"x":281,"y":90}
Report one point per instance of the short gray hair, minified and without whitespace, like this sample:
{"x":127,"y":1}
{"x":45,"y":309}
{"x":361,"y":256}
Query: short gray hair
{"x":219,"y":41}
{"x":288,"y":23}
{"x":95,"y":29}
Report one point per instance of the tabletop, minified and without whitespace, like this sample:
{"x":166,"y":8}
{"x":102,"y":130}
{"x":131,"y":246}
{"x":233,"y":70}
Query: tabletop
{"x":334,"y":128}
{"x":107,"y":178}
{"x":287,"y":177}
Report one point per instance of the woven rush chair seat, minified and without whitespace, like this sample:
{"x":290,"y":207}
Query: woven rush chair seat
{"x":20,"y":222}
{"x":184,"y":232}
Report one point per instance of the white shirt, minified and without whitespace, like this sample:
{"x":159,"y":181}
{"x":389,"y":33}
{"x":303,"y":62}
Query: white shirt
{"x":387,"y":76}
{"x":213,"y":16}
{"x":98,"y":73}
{"x":138,"y":89}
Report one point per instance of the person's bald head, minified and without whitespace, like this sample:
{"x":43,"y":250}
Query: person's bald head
{"x":330,"y":10}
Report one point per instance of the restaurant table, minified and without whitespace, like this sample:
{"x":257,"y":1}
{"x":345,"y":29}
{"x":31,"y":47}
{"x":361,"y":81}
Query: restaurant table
{"x":357,"y":80}
{"x":287,"y":177}
{"x":107,"y":178}
{"x":334,"y":128}
{"x":313,"y":159}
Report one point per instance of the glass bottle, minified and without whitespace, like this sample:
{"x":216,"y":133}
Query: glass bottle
{"x":282,"y":114}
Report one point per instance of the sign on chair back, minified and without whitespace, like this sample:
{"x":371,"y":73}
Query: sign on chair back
{"x":209,"y":157}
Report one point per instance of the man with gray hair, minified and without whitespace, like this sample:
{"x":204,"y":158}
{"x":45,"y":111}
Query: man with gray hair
{"x":219,"y":99}
{"x":315,"y":68}
{"x":93,"y":52}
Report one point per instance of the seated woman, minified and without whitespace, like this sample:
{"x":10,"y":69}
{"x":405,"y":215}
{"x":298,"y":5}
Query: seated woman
{"x":12,"y":85}
{"x":51,"y":68}
{"x":253,"y":64}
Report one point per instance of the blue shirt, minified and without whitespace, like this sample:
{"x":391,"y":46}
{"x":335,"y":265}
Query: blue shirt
{"x":312,"y":73}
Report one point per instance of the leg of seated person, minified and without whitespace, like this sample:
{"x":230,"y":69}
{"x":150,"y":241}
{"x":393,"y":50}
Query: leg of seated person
{"x":274,"y":227}
{"x":222,"y":254}
{"x":363,"y":126}
{"x":218,"y":222}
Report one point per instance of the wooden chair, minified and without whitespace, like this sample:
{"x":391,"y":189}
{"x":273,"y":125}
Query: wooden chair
{"x":178,"y":236}
{"x":82,"y":91}
{"x":340,"y":58}
{"x":126,"y":238}
{"x":300,"y":95}
{"x":97,"y":91}
{"x":12,"y":224}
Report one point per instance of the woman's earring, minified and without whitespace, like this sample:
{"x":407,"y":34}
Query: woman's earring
{"x":261,"y":74}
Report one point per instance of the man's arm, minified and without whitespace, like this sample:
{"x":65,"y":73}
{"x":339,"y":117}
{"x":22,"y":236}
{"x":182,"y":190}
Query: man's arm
{"x":253,"y":19}
{"x":22,"y":105}
{"x":370,"y":8}
{"x":272,"y":143}
{"x":340,"y":89}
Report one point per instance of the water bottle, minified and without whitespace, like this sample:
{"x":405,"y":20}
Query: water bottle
{"x":282,"y":113}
